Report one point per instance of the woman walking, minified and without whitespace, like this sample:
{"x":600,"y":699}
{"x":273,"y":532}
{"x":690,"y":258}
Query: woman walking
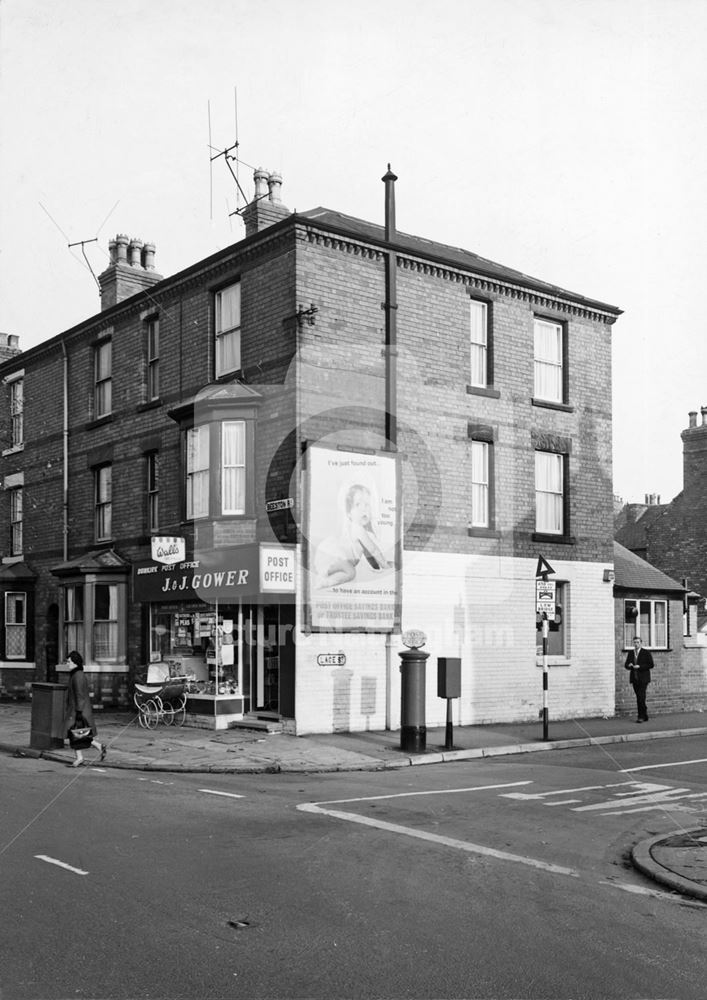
{"x":79,"y":710}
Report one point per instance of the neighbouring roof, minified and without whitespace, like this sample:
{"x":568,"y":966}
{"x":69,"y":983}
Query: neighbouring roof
{"x":422,"y":247}
{"x":633,"y":573}
{"x":633,"y":533}
{"x":97,"y":561}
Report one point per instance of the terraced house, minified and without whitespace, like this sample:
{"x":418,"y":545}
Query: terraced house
{"x":259,"y":470}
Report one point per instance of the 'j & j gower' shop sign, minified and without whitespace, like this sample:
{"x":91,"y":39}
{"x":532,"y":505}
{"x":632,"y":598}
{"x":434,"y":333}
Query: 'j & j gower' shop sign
{"x":223,"y":575}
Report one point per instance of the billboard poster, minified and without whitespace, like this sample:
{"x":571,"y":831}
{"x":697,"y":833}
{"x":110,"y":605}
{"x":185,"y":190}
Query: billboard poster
{"x":353,"y":540}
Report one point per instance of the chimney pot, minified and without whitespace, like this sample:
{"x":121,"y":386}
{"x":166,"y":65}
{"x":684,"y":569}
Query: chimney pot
{"x":645,"y":498}
{"x":275,"y":186}
{"x":112,"y":251}
{"x":693,"y":418}
{"x":260,"y":177}
{"x":136,"y":252}
{"x":122,"y":246}
{"x":148,"y":256}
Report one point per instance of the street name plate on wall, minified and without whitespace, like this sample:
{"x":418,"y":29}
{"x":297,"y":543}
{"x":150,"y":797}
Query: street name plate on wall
{"x":331,"y":659}
{"x":273,"y":505}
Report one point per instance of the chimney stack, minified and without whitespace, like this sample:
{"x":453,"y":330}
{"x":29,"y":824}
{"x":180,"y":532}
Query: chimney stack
{"x":9,"y":346}
{"x":131,"y":269}
{"x":266,"y":208}
{"x":694,"y":464}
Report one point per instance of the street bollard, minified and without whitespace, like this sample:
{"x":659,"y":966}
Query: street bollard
{"x":413,"y":730}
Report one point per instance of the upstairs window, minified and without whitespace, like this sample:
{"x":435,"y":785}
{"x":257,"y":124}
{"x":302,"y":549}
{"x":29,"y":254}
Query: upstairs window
{"x":480,"y":484}
{"x":478,"y":341}
{"x":228,"y":329}
{"x":15,"y":626}
{"x":198,"y":471}
{"x":103,"y":502}
{"x":16,"y":413}
{"x":549,"y":373}
{"x":153,"y":359}
{"x":104,"y":378}
{"x":549,"y":493}
{"x":153,"y":493}
{"x":16,"y":521}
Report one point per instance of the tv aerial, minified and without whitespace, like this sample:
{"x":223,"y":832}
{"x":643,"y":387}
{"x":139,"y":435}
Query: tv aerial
{"x":230,"y":156}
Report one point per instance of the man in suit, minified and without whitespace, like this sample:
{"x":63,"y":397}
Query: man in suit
{"x":640,"y":662}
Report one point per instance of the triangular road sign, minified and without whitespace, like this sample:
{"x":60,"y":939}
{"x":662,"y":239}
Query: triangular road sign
{"x":544,"y":567}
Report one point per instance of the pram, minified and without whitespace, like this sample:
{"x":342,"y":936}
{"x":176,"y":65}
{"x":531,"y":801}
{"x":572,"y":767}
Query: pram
{"x":162,"y":698}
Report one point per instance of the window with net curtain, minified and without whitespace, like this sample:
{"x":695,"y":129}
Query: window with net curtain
{"x":233,"y":462}
{"x":478,"y":337}
{"x":228,"y":329}
{"x":73,"y":618}
{"x":647,"y":619}
{"x":549,"y":493}
{"x":479,"y":484}
{"x":105,"y":621}
{"x":15,"y":625}
{"x":198,"y":471}
{"x":548,"y":361}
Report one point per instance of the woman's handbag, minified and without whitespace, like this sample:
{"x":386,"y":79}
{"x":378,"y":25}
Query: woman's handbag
{"x":80,"y":735}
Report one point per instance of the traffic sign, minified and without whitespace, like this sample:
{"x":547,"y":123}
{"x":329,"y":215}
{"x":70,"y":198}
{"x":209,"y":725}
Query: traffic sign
{"x":545,"y":592}
{"x":543,"y":567}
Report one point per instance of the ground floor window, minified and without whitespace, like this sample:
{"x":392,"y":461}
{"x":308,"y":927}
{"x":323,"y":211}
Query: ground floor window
{"x":15,"y":626}
{"x":94,"y":620}
{"x":648,"y":620}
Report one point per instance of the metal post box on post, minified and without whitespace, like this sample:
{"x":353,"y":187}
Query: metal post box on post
{"x":449,"y":686}
{"x":413,"y":729}
{"x":47,"y":720}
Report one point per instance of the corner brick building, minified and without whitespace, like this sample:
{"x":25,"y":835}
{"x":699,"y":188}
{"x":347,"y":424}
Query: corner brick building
{"x":183,"y":471}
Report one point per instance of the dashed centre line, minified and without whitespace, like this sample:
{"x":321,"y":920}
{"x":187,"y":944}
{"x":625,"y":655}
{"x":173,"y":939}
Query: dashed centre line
{"x":60,"y":864}
{"x":227,"y":795}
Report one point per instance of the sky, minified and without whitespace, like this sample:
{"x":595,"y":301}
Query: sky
{"x":564,"y":138}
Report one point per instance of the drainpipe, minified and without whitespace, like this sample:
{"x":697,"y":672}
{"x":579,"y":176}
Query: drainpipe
{"x":391,"y":374}
{"x":65,"y":518}
{"x":391,"y":306}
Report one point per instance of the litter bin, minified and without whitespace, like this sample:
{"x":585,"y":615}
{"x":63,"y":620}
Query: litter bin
{"x":48,"y":709}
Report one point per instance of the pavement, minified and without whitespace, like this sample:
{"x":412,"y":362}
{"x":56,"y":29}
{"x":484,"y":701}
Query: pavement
{"x":677,"y":861}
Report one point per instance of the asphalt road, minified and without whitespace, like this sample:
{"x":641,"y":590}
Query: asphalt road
{"x":498,"y":878}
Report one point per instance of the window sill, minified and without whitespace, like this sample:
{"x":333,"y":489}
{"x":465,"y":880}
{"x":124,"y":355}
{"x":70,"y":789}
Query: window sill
{"x":9,"y":560}
{"x":99,"y":422}
{"x":483,"y":533}
{"x":152,"y":404}
{"x":480,"y":390}
{"x":539,"y":536}
{"x":15,"y":448}
{"x":548,"y":404}
{"x":553,"y":661}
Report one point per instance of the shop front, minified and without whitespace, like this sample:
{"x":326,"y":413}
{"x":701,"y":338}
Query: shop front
{"x":224,"y":622}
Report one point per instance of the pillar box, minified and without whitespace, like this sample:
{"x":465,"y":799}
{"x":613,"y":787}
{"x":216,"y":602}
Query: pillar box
{"x":413,"y":730}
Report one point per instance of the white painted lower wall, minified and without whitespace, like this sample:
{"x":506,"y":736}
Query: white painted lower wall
{"x":481,"y":609}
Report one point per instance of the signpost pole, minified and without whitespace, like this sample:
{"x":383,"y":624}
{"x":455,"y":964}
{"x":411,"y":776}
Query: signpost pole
{"x":546,"y":629}
{"x":545,"y":592}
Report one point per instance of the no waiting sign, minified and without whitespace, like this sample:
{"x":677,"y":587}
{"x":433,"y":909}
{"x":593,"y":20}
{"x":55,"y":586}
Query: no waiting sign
{"x":545,"y":597}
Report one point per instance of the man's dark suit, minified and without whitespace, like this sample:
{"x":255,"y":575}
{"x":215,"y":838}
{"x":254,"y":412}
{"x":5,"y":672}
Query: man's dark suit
{"x":640,"y":664}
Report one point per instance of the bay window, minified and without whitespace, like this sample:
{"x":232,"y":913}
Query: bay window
{"x":198,"y":466}
{"x":233,"y":467}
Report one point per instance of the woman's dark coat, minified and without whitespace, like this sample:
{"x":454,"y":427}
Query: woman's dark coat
{"x":79,"y":700}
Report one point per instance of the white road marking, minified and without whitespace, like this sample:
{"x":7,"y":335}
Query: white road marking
{"x":652,"y":800}
{"x":228,"y":795}
{"x":434,"y":838}
{"x":61,"y":864}
{"x":564,"y":791}
{"x":673,"y":763}
{"x":434,"y":791}
{"x":641,"y":890}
